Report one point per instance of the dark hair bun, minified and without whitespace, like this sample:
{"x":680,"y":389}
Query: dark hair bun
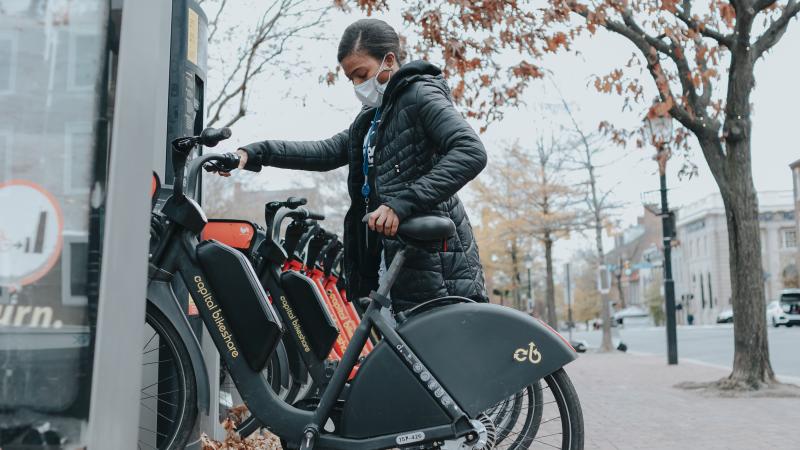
{"x":374,"y":37}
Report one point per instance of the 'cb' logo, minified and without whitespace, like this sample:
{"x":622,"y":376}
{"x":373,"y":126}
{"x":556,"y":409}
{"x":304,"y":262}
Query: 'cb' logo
{"x":529,"y":353}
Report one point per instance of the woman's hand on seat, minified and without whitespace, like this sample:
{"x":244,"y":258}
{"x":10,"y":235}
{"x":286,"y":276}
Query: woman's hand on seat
{"x":384,"y":221}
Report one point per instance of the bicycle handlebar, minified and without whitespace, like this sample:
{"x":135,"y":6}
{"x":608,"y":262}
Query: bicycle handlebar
{"x":294,"y":202}
{"x":195,"y":165}
{"x":297,"y":214}
{"x":315,"y":216}
{"x":182,"y":147}
{"x":210,"y":137}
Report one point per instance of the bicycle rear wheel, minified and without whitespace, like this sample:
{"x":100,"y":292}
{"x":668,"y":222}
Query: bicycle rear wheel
{"x":168,"y":402}
{"x":544,"y":415}
{"x":549,"y":416}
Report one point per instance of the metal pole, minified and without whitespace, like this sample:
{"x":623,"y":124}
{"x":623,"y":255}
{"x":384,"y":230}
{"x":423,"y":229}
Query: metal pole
{"x":530,"y":297}
{"x":141,"y":90}
{"x":669,"y":284}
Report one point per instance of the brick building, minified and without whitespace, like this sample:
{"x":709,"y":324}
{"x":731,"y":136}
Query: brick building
{"x":636,"y":260}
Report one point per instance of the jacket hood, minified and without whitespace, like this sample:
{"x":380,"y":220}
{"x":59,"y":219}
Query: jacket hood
{"x":409,"y":73}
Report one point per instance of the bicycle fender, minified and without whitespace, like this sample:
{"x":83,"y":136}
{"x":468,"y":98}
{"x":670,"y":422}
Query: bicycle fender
{"x":480,"y":353}
{"x":161,"y":295}
{"x":484,"y":353}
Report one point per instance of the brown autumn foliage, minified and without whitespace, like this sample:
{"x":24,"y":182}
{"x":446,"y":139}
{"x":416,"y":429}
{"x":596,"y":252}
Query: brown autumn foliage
{"x":586,"y":298}
{"x":526,"y":198}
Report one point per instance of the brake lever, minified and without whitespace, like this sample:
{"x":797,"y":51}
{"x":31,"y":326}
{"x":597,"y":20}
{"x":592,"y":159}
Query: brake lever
{"x":213,"y":167}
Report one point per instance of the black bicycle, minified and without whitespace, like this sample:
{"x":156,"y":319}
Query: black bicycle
{"x":450,"y":373}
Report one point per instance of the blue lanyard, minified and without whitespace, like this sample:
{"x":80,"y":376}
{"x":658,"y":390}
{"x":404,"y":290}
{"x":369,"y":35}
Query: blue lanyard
{"x":367,"y":142}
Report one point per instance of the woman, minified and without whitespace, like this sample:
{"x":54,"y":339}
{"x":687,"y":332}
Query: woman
{"x":419,"y":153}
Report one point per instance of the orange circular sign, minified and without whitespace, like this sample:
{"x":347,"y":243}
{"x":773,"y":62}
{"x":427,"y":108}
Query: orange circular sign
{"x":31,"y":232}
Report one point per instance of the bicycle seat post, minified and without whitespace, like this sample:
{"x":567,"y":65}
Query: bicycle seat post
{"x":392,"y":273}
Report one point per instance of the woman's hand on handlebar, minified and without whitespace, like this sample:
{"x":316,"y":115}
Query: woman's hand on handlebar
{"x":242,"y":161}
{"x":224,"y":163}
{"x":242,"y":158}
{"x":384,"y":221}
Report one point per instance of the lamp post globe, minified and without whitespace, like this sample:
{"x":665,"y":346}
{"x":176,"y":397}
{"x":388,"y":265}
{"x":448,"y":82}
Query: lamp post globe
{"x":658,"y":129}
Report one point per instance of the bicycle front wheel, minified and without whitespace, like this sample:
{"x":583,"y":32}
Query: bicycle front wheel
{"x":168,"y":402}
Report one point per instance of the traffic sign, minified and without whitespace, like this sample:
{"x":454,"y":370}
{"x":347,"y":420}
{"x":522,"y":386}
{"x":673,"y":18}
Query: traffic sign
{"x":31,"y":227}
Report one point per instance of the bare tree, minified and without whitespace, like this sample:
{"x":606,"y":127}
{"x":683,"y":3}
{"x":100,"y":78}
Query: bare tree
{"x":282,"y":26}
{"x":554,"y":201}
{"x":504,"y":239}
{"x":529,"y":191}
{"x":598,"y":202}
{"x":587,"y":298}
{"x":329,"y":196}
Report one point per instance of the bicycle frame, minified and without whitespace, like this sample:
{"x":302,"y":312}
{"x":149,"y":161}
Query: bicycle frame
{"x":293,"y":424}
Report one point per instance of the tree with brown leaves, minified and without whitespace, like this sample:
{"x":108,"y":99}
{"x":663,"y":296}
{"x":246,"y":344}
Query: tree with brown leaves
{"x":700,"y":57}
{"x":529,"y":191}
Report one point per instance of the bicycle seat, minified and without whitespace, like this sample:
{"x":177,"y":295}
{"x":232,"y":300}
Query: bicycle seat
{"x":427,"y":228}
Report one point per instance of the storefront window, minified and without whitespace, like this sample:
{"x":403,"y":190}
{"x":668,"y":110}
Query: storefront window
{"x":53,"y":57}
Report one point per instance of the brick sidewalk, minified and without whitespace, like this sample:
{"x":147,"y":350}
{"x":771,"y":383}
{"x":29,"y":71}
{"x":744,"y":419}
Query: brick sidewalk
{"x":629,"y":402}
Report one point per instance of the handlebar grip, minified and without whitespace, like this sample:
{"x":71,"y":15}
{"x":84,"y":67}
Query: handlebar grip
{"x":295,"y":202}
{"x":316,"y":216}
{"x":210,"y":137}
{"x":224,"y":162}
{"x":273,"y":206}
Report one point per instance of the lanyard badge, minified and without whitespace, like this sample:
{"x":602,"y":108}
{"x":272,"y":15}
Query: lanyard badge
{"x":373,"y":128}
{"x":365,"y":190}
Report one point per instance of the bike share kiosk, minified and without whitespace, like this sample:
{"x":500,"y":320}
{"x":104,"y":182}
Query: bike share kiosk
{"x":184,"y":117}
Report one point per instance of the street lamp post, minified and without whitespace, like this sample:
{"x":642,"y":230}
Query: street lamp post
{"x":529,"y":266}
{"x":658,"y":130}
{"x":569,"y":300}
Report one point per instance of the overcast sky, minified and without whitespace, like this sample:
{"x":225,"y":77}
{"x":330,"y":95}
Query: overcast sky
{"x":301,"y":108}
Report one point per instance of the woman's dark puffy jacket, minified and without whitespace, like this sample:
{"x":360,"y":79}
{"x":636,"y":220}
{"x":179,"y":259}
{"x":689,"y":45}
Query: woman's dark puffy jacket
{"x":425,"y":153}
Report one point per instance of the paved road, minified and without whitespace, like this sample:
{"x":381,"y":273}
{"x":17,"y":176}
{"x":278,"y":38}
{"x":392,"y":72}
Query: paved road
{"x":711,"y":344}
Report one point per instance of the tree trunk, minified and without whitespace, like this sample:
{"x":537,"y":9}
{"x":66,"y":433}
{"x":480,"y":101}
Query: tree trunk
{"x":621,"y":291}
{"x":751,"y":364}
{"x":605,"y":301}
{"x":550,"y":294}
{"x":605,"y":314}
{"x":732,"y":169}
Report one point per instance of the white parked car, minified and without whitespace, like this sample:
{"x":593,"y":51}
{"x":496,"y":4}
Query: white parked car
{"x":725,"y":316}
{"x":785,"y":311}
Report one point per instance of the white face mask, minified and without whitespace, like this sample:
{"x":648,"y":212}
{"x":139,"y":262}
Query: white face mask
{"x":370,"y":92}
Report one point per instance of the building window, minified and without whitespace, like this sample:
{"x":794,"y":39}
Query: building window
{"x":82,"y":61}
{"x":702,"y":293}
{"x":5,"y":155}
{"x":8,"y":56}
{"x":788,"y":238}
{"x":74,"y":266}
{"x":710,"y":292}
{"x":78,"y":155}
{"x":796,"y":172}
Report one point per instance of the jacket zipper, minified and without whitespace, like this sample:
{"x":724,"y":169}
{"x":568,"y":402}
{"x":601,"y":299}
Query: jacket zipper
{"x":375,"y":154}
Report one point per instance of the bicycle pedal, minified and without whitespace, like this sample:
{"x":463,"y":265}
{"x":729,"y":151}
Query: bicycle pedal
{"x":309,"y":438}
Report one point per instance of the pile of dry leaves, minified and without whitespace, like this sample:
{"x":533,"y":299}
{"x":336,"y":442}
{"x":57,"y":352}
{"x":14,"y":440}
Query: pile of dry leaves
{"x":260,"y":440}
